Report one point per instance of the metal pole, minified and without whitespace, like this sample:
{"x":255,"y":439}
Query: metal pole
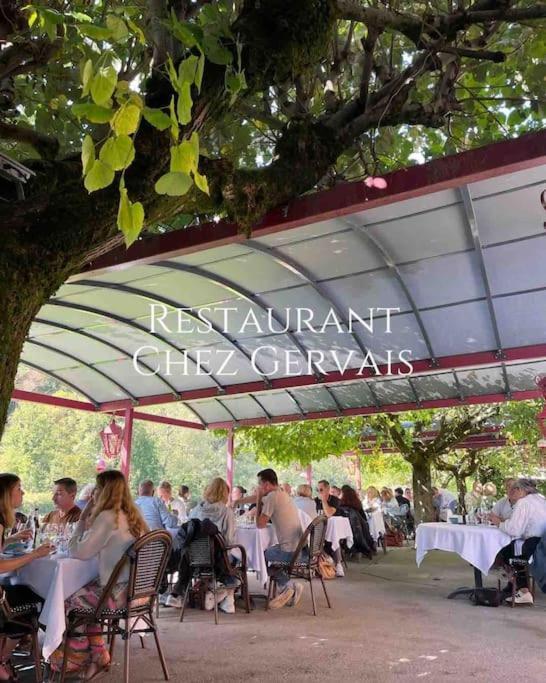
{"x":229,"y":463}
{"x":125,"y":465}
{"x":358,"y":474}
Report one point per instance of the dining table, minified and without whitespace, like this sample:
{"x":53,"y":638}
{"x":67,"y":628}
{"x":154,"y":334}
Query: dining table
{"x":478,"y":544}
{"x":55,"y":578}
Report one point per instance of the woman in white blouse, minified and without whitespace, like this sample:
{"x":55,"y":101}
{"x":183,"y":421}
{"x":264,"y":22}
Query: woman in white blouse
{"x":110,"y":523}
{"x":527,"y":523}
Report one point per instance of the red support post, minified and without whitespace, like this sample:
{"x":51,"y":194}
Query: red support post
{"x":229,"y":463}
{"x":125,"y":465}
{"x":309,"y":474}
{"x":358,"y":474}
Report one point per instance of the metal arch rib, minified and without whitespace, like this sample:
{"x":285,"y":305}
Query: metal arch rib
{"x":134,"y":325}
{"x":260,"y":406}
{"x":375,"y":399}
{"x":242,"y":293}
{"x":176,"y":305}
{"x":195,"y":413}
{"x":369,"y":240}
{"x":301,"y":272}
{"x":228,"y":411}
{"x":114,"y":347}
{"x":84,"y":364}
{"x":334,"y":399}
{"x":459,"y":387}
{"x":296,"y":402}
{"x":75,"y":388}
{"x":472,"y":225}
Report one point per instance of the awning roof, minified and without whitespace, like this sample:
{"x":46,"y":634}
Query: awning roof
{"x":457,"y":245}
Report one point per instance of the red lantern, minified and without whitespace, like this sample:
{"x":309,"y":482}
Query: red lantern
{"x":112,"y":439}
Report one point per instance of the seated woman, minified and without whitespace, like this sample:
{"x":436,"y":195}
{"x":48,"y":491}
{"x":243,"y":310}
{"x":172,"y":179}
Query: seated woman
{"x":362,"y":540}
{"x":389,"y":504}
{"x":527,"y":522}
{"x":372,"y":502}
{"x":303,"y":500}
{"x":109,"y":524}
{"x":11,"y":497}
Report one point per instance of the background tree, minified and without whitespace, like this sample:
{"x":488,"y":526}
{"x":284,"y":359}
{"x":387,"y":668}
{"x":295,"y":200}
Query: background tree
{"x":193,"y":109}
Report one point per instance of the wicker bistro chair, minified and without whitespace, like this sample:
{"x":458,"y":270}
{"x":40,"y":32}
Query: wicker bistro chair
{"x":238,"y":571}
{"x":23,"y":620}
{"x":147,"y":557}
{"x":303,"y":565}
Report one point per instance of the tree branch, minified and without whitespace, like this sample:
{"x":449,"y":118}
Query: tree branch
{"x":486,"y":55}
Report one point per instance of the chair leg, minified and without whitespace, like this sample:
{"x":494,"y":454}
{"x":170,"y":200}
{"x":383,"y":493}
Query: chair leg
{"x":65,"y":656}
{"x":313,"y":596}
{"x":160,"y":651}
{"x":127,"y":637}
{"x":112,"y":643}
{"x":36,"y":656}
{"x":247,"y":595}
{"x":185,"y":600}
{"x":214,"y":591}
{"x":269,"y":592}
{"x":325,"y":592}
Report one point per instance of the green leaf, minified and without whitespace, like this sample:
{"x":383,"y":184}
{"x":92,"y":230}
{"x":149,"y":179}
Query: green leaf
{"x":188,"y":34}
{"x":92,"y":112}
{"x":94,"y":32}
{"x":184,"y":104}
{"x":201,"y":182}
{"x":173,"y":184}
{"x":117,"y":27}
{"x":183,"y":158}
{"x":173,"y":76}
{"x":103,"y":85}
{"x":100,"y":175}
{"x":199,"y":72}
{"x":118,"y":153}
{"x":126,"y":120}
{"x":156,"y":118}
{"x":88,"y":154}
{"x":137,"y":31}
{"x":187,"y":70}
{"x":130,"y":217}
{"x":87,"y":76}
{"x":175,"y":132}
{"x":216,"y":52}
{"x":194,"y":142}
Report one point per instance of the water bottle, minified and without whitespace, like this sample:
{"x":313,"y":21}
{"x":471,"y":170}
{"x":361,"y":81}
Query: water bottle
{"x":32,"y":526}
{"x":36,"y":518}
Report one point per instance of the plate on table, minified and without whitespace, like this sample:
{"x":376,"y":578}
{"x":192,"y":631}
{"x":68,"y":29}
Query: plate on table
{"x":16,"y":550}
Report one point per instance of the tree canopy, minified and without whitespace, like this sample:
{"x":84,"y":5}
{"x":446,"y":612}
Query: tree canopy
{"x":160,"y":113}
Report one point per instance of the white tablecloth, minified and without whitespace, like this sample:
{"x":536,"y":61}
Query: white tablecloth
{"x":255,"y":541}
{"x":56,"y":579}
{"x":478,"y":545}
{"x":339,"y":528}
{"x":376,"y":523}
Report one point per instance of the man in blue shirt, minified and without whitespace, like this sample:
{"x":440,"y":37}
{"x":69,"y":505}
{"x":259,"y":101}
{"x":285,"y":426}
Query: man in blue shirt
{"x":153,"y":509}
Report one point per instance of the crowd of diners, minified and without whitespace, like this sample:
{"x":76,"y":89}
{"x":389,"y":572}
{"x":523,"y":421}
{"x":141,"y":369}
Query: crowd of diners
{"x":106,"y":521}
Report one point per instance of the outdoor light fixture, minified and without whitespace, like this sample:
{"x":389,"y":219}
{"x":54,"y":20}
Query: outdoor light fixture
{"x":112,"y":439}
{"x":13,"y":175}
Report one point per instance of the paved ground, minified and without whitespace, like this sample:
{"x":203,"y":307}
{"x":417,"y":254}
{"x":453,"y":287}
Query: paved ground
{"x":390,"y":622}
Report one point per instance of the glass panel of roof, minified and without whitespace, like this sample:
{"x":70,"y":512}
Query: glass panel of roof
{"x":229,"y":365}
{"x":286,"y":302}
{"x":314,"y":399}
{"x":334,"y":351}
{"x":509,"y":181}
{"x":129,"y":338}
{"x":444,"y":280}
{"x":460,"y":329}
{"x":70,"y":316}
{"x":92,"y":384}
{"x":516,"y":266}
{"x":243,"y":407}
{"x":342,"y":253}
{"x":189,"y":289}
{"x":180,"y":372}
{"x":522,"y":377}
{"x":211,"y":411}
{"x":83,"y":347}
{"x":352,"y":394}
{"x":368,"y":290}
{"x":509,"y":216}
{"x":256,"y":272}
{"x":390,"y":392}
{"x":137,"y":382}
{"x":407,"y":207}
{"x":206,"y":256}
{"x":481,"y":381}
{"x":124,"y":275}
{"x":110,"y":301}
{"x":277,"y":355}
{"x":405,"y":334}
{"x":522,"y":319}
{"x":70,"y":288}
{"x":241,"y":319}
{"x":48,"y":360}
{"x":38,"y":330}
{"x":278,"y":403}
{"x":304,"y":232}
{"x":418,"y":236}
{"x":432,"y":387}
{"x":181,"y":328}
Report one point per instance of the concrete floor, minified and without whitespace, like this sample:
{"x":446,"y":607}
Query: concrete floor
{"x":390,"y":622}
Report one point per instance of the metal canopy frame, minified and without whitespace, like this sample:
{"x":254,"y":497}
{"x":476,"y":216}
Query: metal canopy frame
{"x":340,"y":204}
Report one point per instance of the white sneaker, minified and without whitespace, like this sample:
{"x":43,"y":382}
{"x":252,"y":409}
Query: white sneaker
{"x":298,"y":592}
{"x":227,"y":605}
{"x":209,"y":598}
{"x":339,"y":570}
{"x":282,"y":598}
{"x":163,"y":599}
{"x":521,"y":598}
{"x":174,"y":601}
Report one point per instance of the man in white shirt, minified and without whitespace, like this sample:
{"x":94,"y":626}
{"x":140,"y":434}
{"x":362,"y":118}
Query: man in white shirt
{"x":527,"y":522}
{"x":503,"y":507}
{"x":175,"y":506}
{"x":444,"y":502}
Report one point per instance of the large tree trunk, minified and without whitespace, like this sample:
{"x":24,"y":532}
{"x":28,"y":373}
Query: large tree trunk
{"x":422,"y":490}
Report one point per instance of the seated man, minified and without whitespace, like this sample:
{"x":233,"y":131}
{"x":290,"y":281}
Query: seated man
{"x":331,"y":506}
{"x":527,"y":522}
{"x":444,"y":502}
{"x":275,"y":505}
{"x":503,"y":507}
{"x":175,"y":506}
{"x":153,"y":509}
{"x":64,"y":498}
{"x":400,"y":498}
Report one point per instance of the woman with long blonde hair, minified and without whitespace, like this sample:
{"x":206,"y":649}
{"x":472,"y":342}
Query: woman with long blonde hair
{"x":110,"y":523}
{"x":214,"y":506}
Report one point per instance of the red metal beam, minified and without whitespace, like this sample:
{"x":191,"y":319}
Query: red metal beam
{"x":420,"y":367}
{"x":490,"y":161}
{"x":162,"y":419}
{"x":372,"y":410}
